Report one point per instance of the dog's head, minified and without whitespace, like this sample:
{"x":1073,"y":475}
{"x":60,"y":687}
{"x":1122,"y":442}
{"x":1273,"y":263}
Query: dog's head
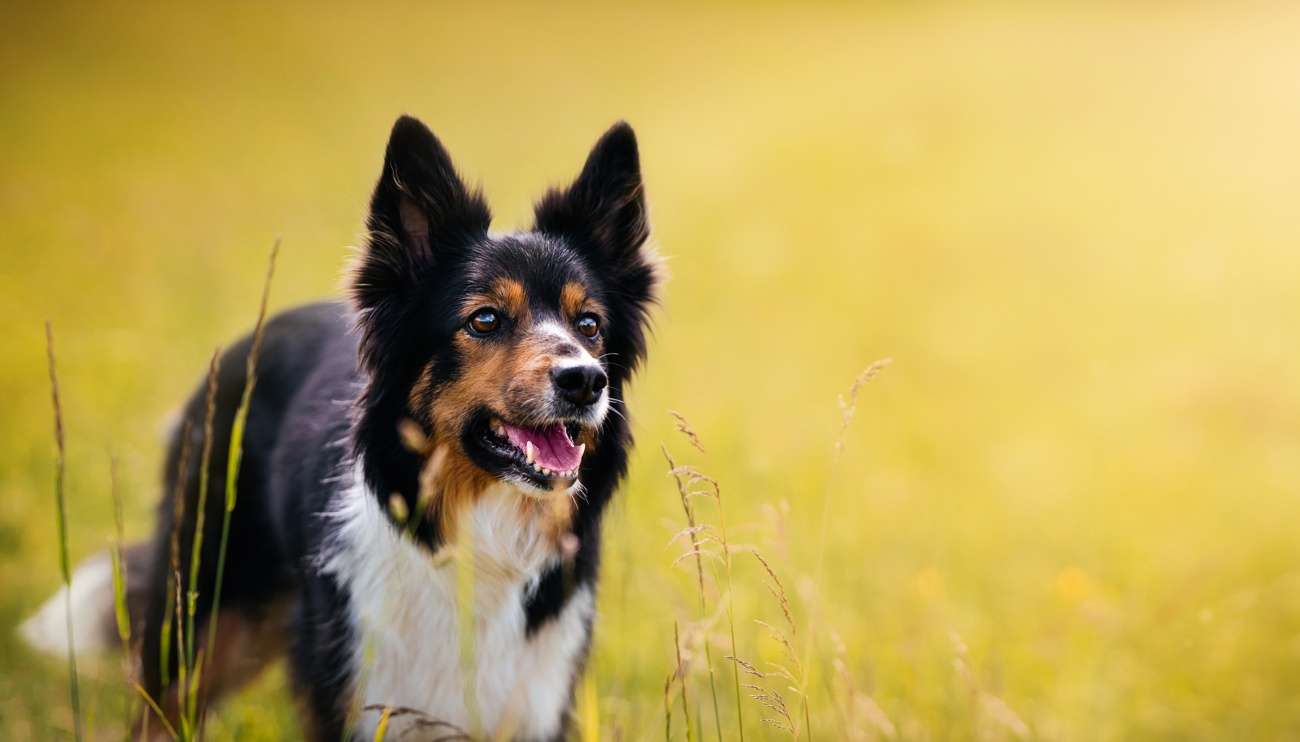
{"x":507,"y":351}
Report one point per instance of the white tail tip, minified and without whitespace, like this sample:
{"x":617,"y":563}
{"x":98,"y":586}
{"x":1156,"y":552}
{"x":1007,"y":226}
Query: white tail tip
{"x":94,"y":621}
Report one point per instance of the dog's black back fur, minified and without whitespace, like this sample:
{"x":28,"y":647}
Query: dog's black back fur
{"x":264,"y":552}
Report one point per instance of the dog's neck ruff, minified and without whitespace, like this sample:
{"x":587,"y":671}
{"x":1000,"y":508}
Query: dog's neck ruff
{"x":407,"y":609}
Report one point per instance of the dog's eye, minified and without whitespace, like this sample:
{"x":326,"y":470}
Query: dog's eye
{"x":484,"y":322}
{"x":588,"y":326}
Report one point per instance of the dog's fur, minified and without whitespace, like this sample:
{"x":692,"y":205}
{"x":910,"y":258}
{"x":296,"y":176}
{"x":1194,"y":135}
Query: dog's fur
{"x":386,"y":534}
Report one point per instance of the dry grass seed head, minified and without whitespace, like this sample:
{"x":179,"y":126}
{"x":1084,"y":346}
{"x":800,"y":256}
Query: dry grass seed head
{"x":786,"y":647}
{"x":778,"y":517}
{"x":698,"y":552}
{"x":682,"y":664}
{"x":772,"y":700}
{"x":992,"y":706}
{"x":684,"y":427}
{"x":748,"y":668}
{"x":693,"y":533}
{"x":858,"y":708}
{"x":778,"y":591}
{"x":847,"y":408}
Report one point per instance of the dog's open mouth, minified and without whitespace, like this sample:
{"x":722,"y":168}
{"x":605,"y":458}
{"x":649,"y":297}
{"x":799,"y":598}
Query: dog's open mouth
{"x":545,"y":455}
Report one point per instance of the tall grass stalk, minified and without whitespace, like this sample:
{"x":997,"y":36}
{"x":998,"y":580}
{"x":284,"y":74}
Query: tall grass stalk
{"x":119,"y":584}
{"x":681,"y":673}
{"x":694,"y":531}
{"x":152,"y":704}
{"x":381,"y":729}
{"x":237,"y":449}
{"x":60,"y":470}
{"x":196,"y":547}
{"x":668,"y":707}
{"x":686,"y":477}
{"x":846,"y":416}
{"x":182,"y":670}
{"x":859,"y":711}
{"x":731,"y":605}
{"x":172,"y":588}
{"x":795,"y":674}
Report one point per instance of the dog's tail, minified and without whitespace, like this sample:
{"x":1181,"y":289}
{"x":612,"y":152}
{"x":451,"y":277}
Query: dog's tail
{"x":93,"y":606}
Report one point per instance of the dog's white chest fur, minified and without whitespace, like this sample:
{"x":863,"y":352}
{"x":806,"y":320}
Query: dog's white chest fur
{"x":407,"y":612}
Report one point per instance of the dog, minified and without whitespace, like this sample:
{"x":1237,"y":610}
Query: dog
{"x":423,"y":469}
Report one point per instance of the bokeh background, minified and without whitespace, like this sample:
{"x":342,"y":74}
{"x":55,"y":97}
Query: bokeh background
{"x":1067,"y":511}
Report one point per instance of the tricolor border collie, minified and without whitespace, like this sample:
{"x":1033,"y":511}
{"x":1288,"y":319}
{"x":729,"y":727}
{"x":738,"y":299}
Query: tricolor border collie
{"x":462,"y":415}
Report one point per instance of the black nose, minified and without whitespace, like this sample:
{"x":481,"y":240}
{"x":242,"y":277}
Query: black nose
{"x":580,"y":385}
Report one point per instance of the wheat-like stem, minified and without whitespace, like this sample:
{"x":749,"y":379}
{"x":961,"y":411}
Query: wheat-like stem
{"x":171,"y":604}
{"x":668,"y":708}
{"x":237,"y":448}
{"x":196,"y":547}
{"x":695,"y":476}
{"x":60,"y":470}
{"x":699,"y":573}
{"x":119,"y":583}
{"x":731,"y":617}
{"x":381,"y":730}
{"x":847,"y":409}
{"x":182,"y":669}
{"x":681,"y":673}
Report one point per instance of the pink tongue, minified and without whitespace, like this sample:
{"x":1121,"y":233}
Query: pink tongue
{"x":552,"y":448}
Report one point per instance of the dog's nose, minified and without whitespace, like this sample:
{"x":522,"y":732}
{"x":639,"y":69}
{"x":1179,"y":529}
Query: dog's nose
{"x":580,"y":385}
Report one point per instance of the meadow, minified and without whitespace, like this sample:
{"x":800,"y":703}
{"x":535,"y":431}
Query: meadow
{"x":1067,"y":510}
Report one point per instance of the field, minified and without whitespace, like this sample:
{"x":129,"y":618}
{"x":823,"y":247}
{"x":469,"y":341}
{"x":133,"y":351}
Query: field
{"x":1068,"y":509}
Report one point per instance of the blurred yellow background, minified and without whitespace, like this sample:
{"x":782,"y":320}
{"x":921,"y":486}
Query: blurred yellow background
{"x":1067,"y":511}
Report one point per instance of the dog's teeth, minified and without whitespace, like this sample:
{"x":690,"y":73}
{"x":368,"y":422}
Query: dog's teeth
{"x":495,"y":423}
{"x":501,"y":431}
{"x":528,"y":452}
{"x":546,"y":471}
{"x":536,"y":466}
{"x":581,"y":450}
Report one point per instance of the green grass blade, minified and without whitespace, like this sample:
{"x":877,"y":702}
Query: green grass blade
{"x":200,"y":516}
{"x":382,"y":729}
{"x":237,"y":448}
{"x":119,"y":583}
{"x":62,"y":512}
{"x":171,"y":607}
{"x":847,"y":409}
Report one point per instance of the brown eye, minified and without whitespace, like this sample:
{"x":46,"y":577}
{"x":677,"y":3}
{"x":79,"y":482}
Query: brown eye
{"x":484,"y":322}
{"x":588,"y":326}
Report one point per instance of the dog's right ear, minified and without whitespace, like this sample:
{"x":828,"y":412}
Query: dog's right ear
{"x":421,"y":212}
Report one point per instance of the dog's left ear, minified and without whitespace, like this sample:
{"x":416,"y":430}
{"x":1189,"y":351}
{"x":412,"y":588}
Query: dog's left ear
{"x":603,"y":217}
{"x":603,"y":214}
{"x":421,"y":214}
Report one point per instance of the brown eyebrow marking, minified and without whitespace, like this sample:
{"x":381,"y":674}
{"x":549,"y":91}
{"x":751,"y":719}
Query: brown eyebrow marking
{"x":505,"y":294}
{"x":573,"y":299}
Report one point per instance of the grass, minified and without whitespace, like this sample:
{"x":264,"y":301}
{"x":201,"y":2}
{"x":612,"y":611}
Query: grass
{"x":1071,"y":500}
{"x":61,"y":502}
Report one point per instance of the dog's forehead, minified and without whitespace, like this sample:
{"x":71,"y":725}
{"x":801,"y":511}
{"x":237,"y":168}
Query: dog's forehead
{"x":542,"y":265}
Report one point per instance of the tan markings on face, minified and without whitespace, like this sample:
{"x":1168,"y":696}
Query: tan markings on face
{"x":573,"y":300}
{"x":507,"y":295}
{"x":509,"y":373}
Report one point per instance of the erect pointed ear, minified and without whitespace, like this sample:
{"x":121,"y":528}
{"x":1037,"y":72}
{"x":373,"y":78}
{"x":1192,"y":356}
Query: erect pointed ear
{"x":604,"y":211}
{"x":420,"y":212}
{"x":603,"y":217}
